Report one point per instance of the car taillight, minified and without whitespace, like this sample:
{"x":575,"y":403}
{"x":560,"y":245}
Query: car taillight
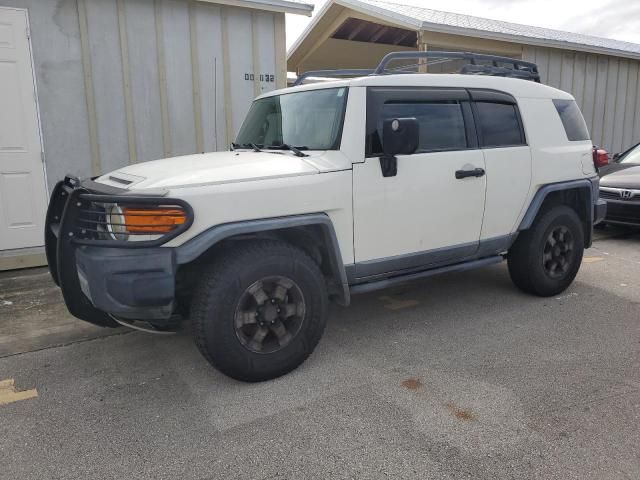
{"x":600,"y":157}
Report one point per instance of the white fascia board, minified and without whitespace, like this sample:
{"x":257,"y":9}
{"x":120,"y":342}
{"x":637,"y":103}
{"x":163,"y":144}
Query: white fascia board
{"x":314,"y":21}
{"x":268,"y":5}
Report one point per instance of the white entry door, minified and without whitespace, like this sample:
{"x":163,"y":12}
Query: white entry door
{"x":23,"y":196}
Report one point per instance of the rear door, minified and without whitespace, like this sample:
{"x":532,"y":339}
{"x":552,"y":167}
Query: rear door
{"x":23,"y":195}
{"x":507,"y":158}
{"x":424,"y":215}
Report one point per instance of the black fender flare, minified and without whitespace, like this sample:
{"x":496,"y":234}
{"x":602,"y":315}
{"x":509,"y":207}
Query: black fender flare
{"x":590,"y":185}
{"x":201,"y":243}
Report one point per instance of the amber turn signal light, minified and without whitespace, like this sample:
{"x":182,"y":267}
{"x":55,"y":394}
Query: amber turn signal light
{"x":153,"y":220}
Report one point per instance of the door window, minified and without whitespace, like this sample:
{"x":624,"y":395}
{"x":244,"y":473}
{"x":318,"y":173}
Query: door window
{"x":441,"y":125}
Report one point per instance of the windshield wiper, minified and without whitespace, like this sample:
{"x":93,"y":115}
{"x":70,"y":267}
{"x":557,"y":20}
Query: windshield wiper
{"x":297,"y":151}
{"x":253,"y":146}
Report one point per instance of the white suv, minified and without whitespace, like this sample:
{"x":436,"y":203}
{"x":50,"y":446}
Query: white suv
{"x":331,"y":189}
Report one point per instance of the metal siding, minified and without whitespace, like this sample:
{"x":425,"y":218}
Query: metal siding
{"x":211,"y":76}
{"x":620,"y":106}
{"x":542,"y":59}
{"x":529,"y":53}
{"x":266,"y":58}
{"x":555,"y":68}
{"x":566,"y":71}
{"x":630,"y":136}
{"x":106,"y":63}
{"x":591,"y":76}
{"x":599,"y":101}
{"x":579,"y":74}
{"x":610,"y":103}
{"x":177,"y":47}
{"x":145,"y":87}
{"x":636,"y":121}
{"x":241,"y":64}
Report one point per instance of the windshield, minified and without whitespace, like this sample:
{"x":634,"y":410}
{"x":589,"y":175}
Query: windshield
{"x":310,"y":120}
{"x":632,"y":156}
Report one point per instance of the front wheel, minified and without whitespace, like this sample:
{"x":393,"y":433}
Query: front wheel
{"x":545,"y":259}
{"x":260,"y":310}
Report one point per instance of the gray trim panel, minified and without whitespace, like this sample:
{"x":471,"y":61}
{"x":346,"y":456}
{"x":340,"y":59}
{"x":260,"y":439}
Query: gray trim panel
{"x":430,"y":259}
{"x":458,"y":267}
{"x":399,"y":263}
{"x":198,"y":245}
{"x":495,"y":245}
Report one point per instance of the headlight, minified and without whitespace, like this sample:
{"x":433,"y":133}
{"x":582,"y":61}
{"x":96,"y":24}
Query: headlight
{"x":117,"y":223}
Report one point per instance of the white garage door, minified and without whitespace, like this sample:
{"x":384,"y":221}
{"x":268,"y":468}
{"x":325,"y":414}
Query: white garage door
{"x":23,"y":196}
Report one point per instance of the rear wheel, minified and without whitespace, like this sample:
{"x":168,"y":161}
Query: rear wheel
{"x":260,"y":310}
{"x":546,"y":258}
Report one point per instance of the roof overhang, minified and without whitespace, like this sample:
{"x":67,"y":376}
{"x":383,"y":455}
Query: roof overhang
{"x":283,"y":6}
{"x":332,"y":15}
{"x":317,"y":30}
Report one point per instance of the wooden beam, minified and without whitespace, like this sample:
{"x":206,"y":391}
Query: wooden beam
{"x":402,"y":37}
{"x":375,"y":37}
{"x":357,"y":30}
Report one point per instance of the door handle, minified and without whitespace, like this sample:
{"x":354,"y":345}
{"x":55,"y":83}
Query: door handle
{"x":476,"y":172}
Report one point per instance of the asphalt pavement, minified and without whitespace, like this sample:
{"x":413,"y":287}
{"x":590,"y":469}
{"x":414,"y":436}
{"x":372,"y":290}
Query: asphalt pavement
{"x":456,"y":376}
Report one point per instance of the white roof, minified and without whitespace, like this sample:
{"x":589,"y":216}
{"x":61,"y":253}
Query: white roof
{"x":420,"y":18}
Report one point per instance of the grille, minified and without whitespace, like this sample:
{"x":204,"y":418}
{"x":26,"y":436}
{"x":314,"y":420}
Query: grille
{"x":609,"y":195}
{"x":623,"y":212}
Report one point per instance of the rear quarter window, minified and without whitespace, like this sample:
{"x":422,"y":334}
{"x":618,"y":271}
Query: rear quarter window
{"x":499,"y":125}
{"x":574,"y":125}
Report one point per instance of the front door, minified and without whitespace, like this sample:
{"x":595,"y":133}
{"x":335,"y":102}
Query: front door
{"x":23,"y":196}
{"x":424,"y":215}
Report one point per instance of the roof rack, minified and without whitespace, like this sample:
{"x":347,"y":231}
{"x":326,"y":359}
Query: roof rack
{"x":479,"y":64}
{"x":332,"y":74}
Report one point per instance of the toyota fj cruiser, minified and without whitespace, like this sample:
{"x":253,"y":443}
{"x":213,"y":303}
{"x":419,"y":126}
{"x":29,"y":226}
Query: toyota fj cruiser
{"x":332,"y":189}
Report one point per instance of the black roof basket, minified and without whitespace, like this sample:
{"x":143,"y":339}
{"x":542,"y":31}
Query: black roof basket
{"x":332,"y":74}
{"x":478,"y":64}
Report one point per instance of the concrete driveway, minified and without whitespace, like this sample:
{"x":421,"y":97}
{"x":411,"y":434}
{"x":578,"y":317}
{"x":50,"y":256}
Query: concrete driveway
{"x":458,"y":376}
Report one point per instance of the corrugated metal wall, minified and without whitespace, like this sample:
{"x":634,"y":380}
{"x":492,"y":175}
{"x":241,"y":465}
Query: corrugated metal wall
{"x":123,"y":81}
{"x":606,"y":88}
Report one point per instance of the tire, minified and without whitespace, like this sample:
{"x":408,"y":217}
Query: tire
{"x":545,"y":259}
{"x":277,"y":284}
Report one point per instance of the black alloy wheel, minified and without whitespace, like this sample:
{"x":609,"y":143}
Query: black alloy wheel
{"x":558,"y":252}
{"x":270,"y":314}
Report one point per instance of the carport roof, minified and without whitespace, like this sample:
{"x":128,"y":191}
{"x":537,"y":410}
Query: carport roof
{"x":420,"y":18}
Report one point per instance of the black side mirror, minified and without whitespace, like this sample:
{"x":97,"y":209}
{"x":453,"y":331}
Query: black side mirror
{"x":400,"y":136}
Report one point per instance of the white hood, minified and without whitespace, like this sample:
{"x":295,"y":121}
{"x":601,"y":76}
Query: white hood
{"x":209,"y":169}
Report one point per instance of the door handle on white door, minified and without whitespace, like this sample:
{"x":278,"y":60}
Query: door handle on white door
{"x":475,"y":172}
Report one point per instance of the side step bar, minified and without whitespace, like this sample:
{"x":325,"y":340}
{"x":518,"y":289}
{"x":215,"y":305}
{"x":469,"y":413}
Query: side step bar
{"x":389,"y":282}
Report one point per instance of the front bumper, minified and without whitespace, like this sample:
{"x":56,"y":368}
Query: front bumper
{"x":623,"y":212}
{"x":101,"y":278}
{"x":129,"y":284}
